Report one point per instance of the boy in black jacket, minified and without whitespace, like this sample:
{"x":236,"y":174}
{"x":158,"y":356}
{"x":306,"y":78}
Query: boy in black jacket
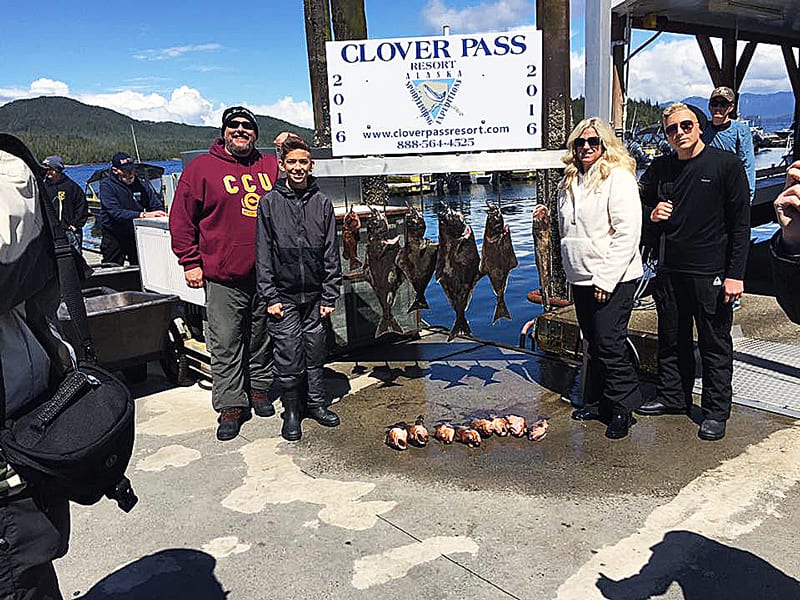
{"x":298,"y":272}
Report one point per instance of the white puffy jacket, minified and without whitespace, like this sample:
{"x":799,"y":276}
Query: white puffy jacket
{"x":600,"y":230}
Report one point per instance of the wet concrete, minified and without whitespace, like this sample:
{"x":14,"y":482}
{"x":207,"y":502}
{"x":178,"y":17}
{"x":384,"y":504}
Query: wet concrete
{"x":574,"y":459}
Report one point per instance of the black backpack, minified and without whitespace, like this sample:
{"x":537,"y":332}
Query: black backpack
{"x":77,"y":439}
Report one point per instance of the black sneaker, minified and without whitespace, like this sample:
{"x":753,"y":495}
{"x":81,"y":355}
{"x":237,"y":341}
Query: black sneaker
{"x":230,"y":422}
{"x":618,"y":427}
{"x":261,"y":403}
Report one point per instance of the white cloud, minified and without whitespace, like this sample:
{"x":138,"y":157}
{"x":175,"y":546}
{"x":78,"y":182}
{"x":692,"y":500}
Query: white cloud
{"x":486,"y":16}
{"x":577,"y":64}
{"x":175,"y":51}
{"x":183,"y":105}
{"x":674,"y":69}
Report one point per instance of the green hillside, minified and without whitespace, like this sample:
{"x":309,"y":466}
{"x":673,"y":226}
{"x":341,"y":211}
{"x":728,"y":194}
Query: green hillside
{"x":87,"y":134}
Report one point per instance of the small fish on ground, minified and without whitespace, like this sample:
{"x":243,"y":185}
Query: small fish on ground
{"x":482,"y":426}
{"x":538,"y":430}
{"x":499,"y":426}
{"x":444,"y":433}
{"x":418,"y":433}
{"x":468,"y":436}
{"x":397,"y":436}
{"x":517,"y":426}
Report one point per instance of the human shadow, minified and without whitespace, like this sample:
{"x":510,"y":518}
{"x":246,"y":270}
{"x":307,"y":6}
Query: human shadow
{"x":177,"y":574}
{"x":705,"y":570}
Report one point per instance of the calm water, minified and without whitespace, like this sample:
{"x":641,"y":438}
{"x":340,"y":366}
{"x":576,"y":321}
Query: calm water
{"x":516,"y":202}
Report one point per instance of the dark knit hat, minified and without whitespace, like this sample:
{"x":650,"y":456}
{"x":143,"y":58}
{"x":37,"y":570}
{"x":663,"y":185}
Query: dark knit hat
{"x":702,"y":119}
{"x":238,"y":111}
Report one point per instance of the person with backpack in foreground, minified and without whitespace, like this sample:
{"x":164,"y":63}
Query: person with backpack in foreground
{"x":34,"y":522}
{"x":299,"y":272}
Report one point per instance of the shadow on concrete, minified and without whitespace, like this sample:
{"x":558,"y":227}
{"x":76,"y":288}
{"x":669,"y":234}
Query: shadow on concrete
{"x":177,"y":574}
{"x":705,"y":570}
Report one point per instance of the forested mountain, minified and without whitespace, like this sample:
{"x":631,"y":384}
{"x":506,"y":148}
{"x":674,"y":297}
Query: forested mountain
{"x":84,"y":134}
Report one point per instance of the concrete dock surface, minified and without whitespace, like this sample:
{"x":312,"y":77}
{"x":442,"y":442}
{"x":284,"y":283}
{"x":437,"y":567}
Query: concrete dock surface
{"x":340,"y":515}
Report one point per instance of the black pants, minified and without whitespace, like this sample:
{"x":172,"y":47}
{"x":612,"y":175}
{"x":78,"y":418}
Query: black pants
{"x":683,"y":301}
{"x":116,"y":248}
{"x":612,"y":385}
{"x":240,"y":347}
{"x":300,"y":346}
{"x":33,"y":532}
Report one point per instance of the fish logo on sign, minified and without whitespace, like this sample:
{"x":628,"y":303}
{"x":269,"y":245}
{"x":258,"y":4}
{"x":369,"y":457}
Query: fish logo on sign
{"x":433,"y":97}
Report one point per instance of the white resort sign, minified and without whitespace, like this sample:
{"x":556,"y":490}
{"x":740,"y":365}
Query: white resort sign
{"x":455,"y":93}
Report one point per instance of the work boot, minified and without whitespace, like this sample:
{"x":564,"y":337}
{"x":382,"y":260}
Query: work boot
{"x":290,"y":431}
{"x":712,"y":430}
{"x":230,"y":422}
{"x":654,"y":408}
{"x":261,"y":403}
{"x":618,"y":427}
{"x":317,"y":400}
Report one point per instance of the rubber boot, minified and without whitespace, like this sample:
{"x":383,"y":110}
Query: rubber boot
{"x":316,"y":400}
{"x":290,"y":430}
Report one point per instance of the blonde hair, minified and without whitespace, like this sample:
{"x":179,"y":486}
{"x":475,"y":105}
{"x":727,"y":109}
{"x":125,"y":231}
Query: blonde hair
{"x":673,"y":108}
{"x":614,"y":154}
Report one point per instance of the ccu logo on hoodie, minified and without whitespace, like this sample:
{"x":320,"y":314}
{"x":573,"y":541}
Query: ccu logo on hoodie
{"x":253,"y":186}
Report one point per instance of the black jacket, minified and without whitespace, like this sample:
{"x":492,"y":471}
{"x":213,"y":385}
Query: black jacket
{"x":70,"y":202}
{"x":297,"y":252}
{"x":120,"y":204}
{"x":708,"y":232}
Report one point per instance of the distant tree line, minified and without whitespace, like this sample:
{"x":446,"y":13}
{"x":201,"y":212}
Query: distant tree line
{"x":641,"y":113}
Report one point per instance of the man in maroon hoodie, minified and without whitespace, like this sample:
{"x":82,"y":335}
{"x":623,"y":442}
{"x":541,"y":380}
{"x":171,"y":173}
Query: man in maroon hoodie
{"x":213,"y":225}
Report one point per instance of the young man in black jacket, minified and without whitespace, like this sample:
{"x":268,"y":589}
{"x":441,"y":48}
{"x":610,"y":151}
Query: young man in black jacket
{"x":68,"y":199}
{"x":697,"y":203}
{"x":298,"y":272}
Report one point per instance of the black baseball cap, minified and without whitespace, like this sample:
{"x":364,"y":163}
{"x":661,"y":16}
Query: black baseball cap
{"x":123,"y":160}
{"x":238,"y":111}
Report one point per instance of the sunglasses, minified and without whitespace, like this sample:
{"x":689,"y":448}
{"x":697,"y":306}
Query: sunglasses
{"x":593,"y":142}
{"x":686,"y":127}
{"x":247,"y":125}
{"x":719,"y":104}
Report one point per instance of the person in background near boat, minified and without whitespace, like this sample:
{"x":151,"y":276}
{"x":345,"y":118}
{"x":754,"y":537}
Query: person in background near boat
{"x":123,"y":198}
{"x":600,"y":219}
{"x":34,"y":522}
{"x":299,"y":273}
{"x":696,"y":201}
{"x":733,"y":136}
{"x":68,"y":198}
{"x":785,"y":245}
{"x":213,"y":225}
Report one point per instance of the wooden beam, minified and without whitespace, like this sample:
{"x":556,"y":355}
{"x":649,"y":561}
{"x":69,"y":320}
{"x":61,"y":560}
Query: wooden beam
{"x":744,"y":63}
{"x":719,"y":32}
{"x":729,"y":62}
{"x":318,"y":31}
{"x":710,"y":58}
{"x":349,"y":19}
{"x":618,"y":92}
{"x":792,"y":69}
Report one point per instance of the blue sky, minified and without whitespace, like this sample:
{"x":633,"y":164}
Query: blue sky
{"x":187,"y":62}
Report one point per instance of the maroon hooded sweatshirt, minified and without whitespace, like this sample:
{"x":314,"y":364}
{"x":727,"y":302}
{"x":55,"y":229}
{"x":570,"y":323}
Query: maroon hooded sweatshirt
{"x":213,"y":215}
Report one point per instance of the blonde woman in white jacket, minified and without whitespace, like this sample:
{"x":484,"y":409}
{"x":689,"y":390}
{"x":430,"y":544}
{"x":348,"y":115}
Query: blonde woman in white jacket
{"x":600,"y":219}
